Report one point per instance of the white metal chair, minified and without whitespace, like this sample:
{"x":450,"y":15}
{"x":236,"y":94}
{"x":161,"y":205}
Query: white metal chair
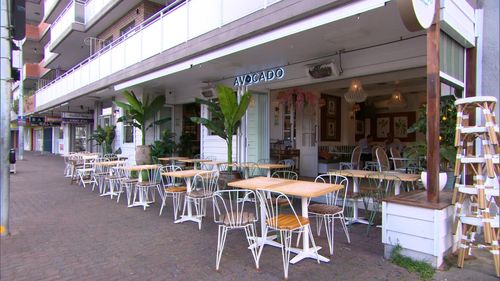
{"x":150,"y":182}
{"x":86,"y":172}
{"x":171,"y":187}
{"x":285,"y":174}
{"x":355,"y":160}
{"x":234,"y":209}
{"x":203,"y":187}
{"x":285,"y":223}
{"x":289,"y":162}
{"x":382,"y":160}
{"x":332,"y":209}
{"x":127,"y":184}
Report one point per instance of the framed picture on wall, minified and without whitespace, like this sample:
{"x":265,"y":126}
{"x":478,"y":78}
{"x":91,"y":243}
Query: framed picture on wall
{"x":360,"y":127}
{"x":330,"y":118}
{"x":383,"y":127}
{"x":400,"y":127}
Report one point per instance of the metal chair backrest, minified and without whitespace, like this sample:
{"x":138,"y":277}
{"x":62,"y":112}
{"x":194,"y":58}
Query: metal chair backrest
{"x":285,"y":174}
{"x":234,"y":208}
{"x":355,"y":157}
{"x":264,"y":161}
{"x":382,"y":160}
{"x":168,"y":181}
{"x":289,"y":162}
{"x":398,"y":164}
{"x":206,"y":182}
{"x":337,"y":197}
{"x":273,"y":202}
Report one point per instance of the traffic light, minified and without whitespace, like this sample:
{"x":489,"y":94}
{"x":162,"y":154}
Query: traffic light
{"x":18,"y":17}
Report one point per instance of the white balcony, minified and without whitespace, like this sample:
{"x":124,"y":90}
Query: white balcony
{"x":94,"y":7}
{"x":73,"y":13}
{"x":48,"y":55}
{"x":48,"y":6}
{"x":165,"y":30}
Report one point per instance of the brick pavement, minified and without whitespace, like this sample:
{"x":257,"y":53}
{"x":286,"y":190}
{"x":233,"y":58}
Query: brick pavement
{"x":64,"y":232}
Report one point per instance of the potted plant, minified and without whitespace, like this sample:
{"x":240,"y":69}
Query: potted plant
{"x":104,"y":138}
{"x":447,"y":127}
{"x":137,"y":114}
{"x":226,"y":114}
{"x":165,"y":146}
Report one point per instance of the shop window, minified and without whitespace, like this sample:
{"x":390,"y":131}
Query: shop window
{"x":451,"y":57}
{"x":164,"y":113}
{"x":128,"y":133}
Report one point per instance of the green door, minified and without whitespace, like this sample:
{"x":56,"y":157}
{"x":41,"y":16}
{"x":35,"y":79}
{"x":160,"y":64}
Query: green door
{"x":47,"y":139}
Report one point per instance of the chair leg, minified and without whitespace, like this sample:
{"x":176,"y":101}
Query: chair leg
{"x":221,"y":240}
{"x":250,"y":233}
{"x":286,"y":239}
{"x":344,"y":226}
{"x":318,"y":224}
{"x":176,"y":200}
{"x":163,"y":203}
{"x":311,"y":237}
{"x":330,"y":232}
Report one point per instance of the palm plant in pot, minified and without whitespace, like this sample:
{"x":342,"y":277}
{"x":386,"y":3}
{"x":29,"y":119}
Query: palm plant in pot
{"x":137,"y":114}
{"x":104,"y":138}
{"x":226,"y":113}
{"x":447,"y":127}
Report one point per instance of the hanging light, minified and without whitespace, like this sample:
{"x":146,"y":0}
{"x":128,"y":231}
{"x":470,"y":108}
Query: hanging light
{"x":355,"y":94}
{"x":397,"y":100}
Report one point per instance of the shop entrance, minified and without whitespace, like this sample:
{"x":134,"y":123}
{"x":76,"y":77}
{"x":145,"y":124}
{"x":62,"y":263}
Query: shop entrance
{"x":47,"y":139}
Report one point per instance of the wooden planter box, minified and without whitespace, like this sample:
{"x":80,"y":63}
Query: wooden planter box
{"x":422,"y":229}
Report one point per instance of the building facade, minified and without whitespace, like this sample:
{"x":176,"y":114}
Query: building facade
{"x":298,"y":58}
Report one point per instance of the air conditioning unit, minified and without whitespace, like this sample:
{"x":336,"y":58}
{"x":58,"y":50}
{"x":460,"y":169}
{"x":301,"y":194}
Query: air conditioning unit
{"x":208,"y":92}
{"x":318,"y":71}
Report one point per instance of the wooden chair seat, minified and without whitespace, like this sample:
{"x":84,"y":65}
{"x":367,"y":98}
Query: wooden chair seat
{"x":244,"y":219}
{"x":200,"y":194}
{"x":287,"y":222}
{"x":324,"y":209}
{"x":173,"y":189}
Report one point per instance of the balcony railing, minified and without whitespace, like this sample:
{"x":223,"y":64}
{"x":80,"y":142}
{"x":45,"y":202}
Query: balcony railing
{"x":172,"y":26}
{"x":73,"y":13}
{"x":93,"y":7}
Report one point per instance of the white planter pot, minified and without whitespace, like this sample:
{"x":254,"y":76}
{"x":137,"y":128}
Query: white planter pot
{"x":142,"y":154}
{"x":443,"y":177}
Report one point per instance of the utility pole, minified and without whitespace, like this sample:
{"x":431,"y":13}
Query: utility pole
{"x":21,"y":105}
{"x":5,"y":90}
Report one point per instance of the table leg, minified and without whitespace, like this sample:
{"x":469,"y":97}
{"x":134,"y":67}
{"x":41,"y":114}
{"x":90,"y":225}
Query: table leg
{"x":355,"y":214}
{"x":189,"y":216}
{"x":306,"y":251}
{"x":397,"y":187}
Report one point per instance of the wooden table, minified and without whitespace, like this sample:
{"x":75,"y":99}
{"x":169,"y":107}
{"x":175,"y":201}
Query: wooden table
{"x":172,"y":159}
{"x":397,"y":177}
{"x":102,"y":181}
{"x":302,"y":189}
{"x":194,"y":161}
{"x":186,"y":175}
{"x":268,"y":167}
{"x":137,"y":168}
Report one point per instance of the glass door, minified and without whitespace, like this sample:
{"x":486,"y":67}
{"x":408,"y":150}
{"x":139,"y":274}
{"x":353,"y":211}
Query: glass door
{"x":257,"y":146}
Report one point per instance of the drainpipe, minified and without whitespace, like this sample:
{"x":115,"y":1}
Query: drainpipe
{"x":21,"y":105}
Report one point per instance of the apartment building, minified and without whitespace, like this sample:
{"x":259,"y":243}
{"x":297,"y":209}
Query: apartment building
{"x":83,"y":54}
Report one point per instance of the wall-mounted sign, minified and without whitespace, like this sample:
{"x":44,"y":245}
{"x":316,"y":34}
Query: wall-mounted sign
{"x":45,"y":121}
{"x":76,"y":121}
{"x":77,"y":115}
{"x":21,"y":120}
{"x":417,"y":14}
{"x":259,"y":77}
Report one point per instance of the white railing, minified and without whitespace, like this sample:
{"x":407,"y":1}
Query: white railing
{"x":74,"y":12}
{"x":166,"y":29}
{"x":93,"y":7}
{"x":48,"y":55}
{"x":49,"y":5}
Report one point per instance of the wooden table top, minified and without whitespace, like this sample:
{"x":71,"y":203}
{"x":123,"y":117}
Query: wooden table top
{"x":194,"y":160}
{"x":185,"y":173}
{"x":140,"y":167}
{"x":388,"y":175}
{"x":289,"y":187}
{"x":215,"y":163}
{"x":109,"y":163}
{"x":174,"y":158}
{"x":262,"y":166}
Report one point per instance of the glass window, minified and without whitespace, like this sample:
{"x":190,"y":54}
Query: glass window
{"x":128,"y":133}
{"x":451,"y":57}
{"x":165,"y":112}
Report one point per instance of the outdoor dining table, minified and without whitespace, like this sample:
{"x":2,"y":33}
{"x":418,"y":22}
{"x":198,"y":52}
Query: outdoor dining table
{"x":397,"y":177}
{"x":194,"y":161}
{"x":268,"y":167}
{"x":302,"y":189}
{"x":142,"y":193}
{"x":108,"y":164}
{"x":187,"y":175}
{"x":172,"y":159}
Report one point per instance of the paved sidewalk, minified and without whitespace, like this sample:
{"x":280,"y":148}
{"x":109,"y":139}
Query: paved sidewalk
{"x":64,"y":232}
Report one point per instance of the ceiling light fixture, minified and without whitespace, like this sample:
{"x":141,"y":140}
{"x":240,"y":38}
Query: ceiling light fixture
{"x":355,"y":94}
{"x":397,"y":100}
